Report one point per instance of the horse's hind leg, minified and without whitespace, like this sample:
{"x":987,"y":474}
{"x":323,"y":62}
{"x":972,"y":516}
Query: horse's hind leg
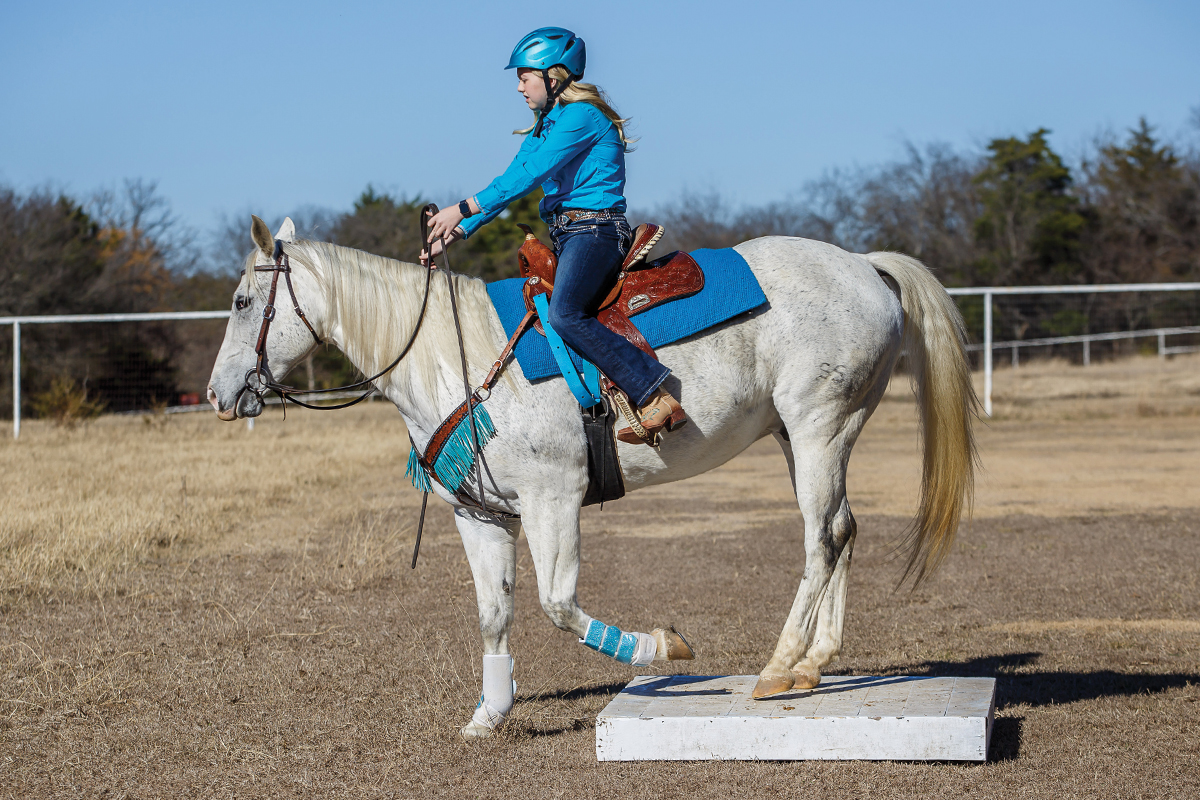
{"x":817,"y":462}
{"x":827,"y":644}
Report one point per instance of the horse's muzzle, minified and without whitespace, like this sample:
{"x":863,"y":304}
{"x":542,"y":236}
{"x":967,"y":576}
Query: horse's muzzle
{"x":245,"y":404}
{"x":228,"y":415}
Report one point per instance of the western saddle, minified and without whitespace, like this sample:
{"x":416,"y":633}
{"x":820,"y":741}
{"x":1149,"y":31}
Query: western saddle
{"x":641,"y":285}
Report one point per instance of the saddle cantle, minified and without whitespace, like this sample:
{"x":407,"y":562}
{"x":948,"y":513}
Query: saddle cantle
{"x":640,"y":286}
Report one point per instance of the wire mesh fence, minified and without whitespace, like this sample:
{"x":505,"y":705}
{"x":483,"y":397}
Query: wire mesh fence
{"x":1134,"y":313}
{"x":121,"y":366}
{"x":87,"y":365}
{"x":145,"y":362}
{"x":1080,"y":328}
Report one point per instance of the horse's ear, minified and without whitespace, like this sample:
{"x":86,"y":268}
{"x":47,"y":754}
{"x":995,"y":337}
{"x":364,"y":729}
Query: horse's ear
{"x":261,"y":235}
{"x":287,"y":231}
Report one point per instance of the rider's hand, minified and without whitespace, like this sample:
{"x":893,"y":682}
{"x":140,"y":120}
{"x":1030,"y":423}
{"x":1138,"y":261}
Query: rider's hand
{"x":443,"y":223}
{"x":436,"y":246}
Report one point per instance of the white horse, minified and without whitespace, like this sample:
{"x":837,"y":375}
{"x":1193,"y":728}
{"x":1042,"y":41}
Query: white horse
{"x":809,"y":368}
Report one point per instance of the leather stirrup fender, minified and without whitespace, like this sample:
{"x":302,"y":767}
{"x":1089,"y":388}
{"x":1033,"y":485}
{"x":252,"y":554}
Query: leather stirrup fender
{"x":644,"y":238}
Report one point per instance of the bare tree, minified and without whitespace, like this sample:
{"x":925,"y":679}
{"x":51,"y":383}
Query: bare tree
{"x":229,"y":242}
{"x":924,"y":205}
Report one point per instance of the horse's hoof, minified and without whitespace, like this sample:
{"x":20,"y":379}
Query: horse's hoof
{"x":671,"y":646}
{"x":473,"y":731}
{"x":806,"y":677}
{"x":769,"y":685}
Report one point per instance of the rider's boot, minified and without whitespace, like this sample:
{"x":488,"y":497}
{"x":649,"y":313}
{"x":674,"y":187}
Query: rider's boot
{"x":662,"y":412}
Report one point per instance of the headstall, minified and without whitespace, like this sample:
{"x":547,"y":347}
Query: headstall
{"x":259,"y":379}
{"x":266,"y":382}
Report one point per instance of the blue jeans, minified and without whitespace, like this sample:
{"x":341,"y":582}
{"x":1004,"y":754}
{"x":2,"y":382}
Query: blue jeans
{"x":590,"y":252}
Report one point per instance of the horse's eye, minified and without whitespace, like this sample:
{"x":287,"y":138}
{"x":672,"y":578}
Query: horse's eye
{"x":241,"y":302}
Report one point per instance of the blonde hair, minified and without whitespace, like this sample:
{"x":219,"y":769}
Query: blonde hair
{"x":578,"y":92}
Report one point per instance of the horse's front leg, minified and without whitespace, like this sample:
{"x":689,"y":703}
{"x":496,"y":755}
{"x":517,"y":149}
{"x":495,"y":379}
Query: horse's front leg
{"x":552,"y":531}
{"x":492,"y":553}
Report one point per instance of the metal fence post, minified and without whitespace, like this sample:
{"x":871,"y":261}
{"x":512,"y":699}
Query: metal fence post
{"x":1087,"y":352}
{"x":987,"y":353}
{"x":1162,"y":345}
{"x":16,"y":380}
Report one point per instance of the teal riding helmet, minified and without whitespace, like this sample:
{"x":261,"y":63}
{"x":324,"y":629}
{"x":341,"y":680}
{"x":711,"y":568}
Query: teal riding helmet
{"x":548,"y":47}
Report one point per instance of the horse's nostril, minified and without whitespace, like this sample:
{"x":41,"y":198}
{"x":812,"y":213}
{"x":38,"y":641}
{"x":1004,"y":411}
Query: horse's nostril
{"x":212,"y":398}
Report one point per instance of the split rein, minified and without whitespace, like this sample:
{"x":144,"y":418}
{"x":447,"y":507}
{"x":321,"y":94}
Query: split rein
{"x":265,"y":382}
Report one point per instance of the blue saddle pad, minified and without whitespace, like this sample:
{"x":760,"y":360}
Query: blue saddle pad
{"x":730,"y":288}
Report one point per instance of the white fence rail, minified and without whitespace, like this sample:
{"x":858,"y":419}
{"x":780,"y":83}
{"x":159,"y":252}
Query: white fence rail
{"x":988,"y":345}
{"x":1087,"y":338}
{"x":158,"y":316}
{"x":49,"y":319}
{"x":990,"y":292}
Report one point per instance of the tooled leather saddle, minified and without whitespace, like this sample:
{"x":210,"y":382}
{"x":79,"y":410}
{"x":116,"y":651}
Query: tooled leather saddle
{"x":641,"y":285}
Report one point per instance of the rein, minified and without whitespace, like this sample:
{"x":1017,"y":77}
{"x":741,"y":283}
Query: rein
{"x":265,"y":382}
{"x":283,"y":265}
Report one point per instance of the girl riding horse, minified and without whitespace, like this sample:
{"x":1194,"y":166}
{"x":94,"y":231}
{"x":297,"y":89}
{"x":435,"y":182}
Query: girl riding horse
{"x":575,"y":151}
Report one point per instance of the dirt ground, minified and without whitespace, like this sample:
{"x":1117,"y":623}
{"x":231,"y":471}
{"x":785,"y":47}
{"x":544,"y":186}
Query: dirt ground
{"x":182,"y":616}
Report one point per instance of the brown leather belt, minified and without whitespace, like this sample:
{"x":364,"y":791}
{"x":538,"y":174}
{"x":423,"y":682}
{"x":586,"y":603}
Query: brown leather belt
{"x":576,"y":214}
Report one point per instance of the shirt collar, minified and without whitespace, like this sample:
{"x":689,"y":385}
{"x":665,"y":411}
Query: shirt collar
{"x":554,"y":114}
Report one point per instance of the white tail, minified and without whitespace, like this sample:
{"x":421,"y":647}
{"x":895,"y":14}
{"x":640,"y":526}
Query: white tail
{"x":934,"y":335}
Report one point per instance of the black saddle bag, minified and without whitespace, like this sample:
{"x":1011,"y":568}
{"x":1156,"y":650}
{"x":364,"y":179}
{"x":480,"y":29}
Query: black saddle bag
{"x":604,"y":470}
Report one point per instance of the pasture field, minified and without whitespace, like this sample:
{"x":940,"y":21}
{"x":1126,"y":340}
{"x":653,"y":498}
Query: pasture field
{"x":191,"y":609}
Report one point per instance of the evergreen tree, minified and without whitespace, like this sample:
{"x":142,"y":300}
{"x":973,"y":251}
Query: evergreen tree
{"x":51,"y":254}
{"x":1148,"y":212}
{"x":383,"y":225}
{"x":1029,"y":230}
{"x":492,"y":252}
{"x":388,"y":226}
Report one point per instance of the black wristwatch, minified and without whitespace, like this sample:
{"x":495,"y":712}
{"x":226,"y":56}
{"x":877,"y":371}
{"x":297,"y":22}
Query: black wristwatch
{"x":464,"y":208}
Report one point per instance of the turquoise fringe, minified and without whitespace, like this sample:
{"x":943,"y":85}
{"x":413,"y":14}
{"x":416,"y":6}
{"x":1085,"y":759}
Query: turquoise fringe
{"x":457,"y":457}
{"x":418,"y":476}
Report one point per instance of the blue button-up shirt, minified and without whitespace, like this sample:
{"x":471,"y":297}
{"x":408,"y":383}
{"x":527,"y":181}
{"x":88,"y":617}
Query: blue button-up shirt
{"x":579,"y":161}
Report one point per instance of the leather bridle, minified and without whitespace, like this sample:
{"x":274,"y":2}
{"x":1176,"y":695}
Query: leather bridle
{"x":262,"y":372}
{"x":283,"y":266}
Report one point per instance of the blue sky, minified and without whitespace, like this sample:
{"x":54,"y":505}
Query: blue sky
{"x":274,"y":106}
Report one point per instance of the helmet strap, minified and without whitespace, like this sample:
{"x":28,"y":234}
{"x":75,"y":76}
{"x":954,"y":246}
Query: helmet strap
{"x":551,"y":98}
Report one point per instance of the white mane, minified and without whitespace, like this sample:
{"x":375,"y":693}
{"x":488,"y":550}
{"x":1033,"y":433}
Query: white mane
{"x":376,"y":301}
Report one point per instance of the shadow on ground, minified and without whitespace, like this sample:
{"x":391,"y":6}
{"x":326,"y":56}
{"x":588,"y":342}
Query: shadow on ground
{"x":579,"y":692}
{"x":1055,"y":687}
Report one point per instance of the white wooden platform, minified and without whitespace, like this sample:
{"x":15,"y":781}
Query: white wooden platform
{"x":898,"y":718}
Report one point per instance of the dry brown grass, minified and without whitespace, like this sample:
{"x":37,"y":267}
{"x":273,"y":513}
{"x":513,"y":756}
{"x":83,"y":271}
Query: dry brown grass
{"x":246,"y":677}
{"x":192,"y":609}
{"x":82,"y":506}
{"x":1053,"y":389}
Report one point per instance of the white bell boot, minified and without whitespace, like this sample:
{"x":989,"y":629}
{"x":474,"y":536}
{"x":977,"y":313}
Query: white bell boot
{"x":646,"y":651}
{"x":496,"y":700}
